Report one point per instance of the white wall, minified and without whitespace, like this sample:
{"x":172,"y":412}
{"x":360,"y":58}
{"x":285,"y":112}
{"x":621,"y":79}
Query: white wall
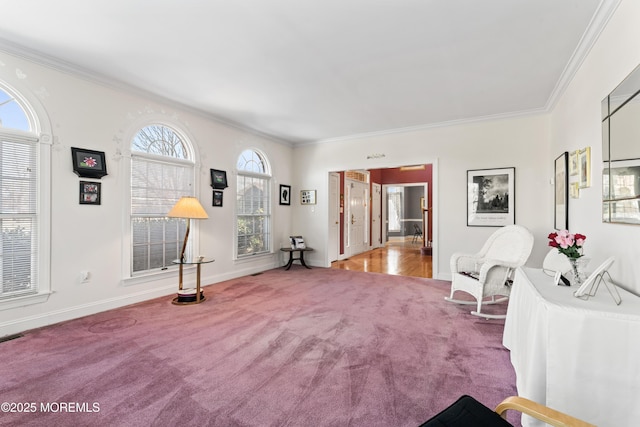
{"x":575,"y":123}
{"x":517,"y":142}
{"x":93,"y":116}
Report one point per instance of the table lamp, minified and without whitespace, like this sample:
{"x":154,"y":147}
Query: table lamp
{"x":189,"y":208}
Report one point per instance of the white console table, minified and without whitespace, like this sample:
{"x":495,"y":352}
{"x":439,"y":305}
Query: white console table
{"x":579,"y":357}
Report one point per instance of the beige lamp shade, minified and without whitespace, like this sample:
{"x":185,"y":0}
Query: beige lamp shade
{"x":188,"y":207}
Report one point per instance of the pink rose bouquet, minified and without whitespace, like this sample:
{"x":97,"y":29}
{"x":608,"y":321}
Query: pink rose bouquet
{"x":567,"y":243}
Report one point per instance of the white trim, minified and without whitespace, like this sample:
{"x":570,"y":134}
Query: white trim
{"x":605,"y":11}
{"x":270,"y":185}
{"x":154,"y":119}
{"x":40,"y":135}
{"x":24,"y":300}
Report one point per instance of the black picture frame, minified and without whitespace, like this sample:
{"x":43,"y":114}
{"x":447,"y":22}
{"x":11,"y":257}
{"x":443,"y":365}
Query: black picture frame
{"x":285,"y":195}
{"x":217,"y":198}
{"x":561,"y":192}
{"x":218,"y":179}
{"x":88,"y":163}
{"x":491,"y":197}
{"x":90,"y":192}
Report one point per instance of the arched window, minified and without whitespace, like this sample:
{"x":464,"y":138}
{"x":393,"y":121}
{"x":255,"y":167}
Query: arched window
{"x":22,"y":250}
{"x":162,"y":171}
{"x":253,"y":217}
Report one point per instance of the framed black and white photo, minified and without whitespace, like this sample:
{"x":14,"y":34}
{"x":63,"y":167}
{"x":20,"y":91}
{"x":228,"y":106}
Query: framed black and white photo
{"x":285,"y":195}
{"x":217,"y":198}
{"x":88,"y":163}
{"x":561,"y":193}
{"x":491,"y":197}
{"x":89,"y":193}
{"x":218,"y":179}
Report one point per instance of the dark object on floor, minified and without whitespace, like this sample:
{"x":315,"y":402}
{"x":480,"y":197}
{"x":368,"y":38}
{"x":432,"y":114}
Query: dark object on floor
{"x":417,"y":233}
{"x":467,"y":412}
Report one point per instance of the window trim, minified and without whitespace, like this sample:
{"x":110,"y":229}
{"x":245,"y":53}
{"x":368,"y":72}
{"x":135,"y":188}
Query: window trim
{"x":41,"y":136}
{"x":130,"y":278}
{"x":269,"y":181}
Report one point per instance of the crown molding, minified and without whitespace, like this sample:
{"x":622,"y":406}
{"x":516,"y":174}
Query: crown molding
{"x":603,"y":14}
{"x":407,"y":129}
{"x":96,"y":77}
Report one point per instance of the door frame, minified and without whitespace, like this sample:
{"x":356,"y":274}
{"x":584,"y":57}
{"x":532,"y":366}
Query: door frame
{"x":435,"y":235}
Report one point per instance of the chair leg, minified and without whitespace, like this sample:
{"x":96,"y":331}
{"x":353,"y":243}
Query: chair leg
{"x":479,"y":312}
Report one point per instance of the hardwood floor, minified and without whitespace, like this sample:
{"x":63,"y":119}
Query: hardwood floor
{"x":397,"y":257}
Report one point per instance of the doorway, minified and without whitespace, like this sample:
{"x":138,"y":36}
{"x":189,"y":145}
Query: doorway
{"x":404,"y":205}
{"x":415,"y":183}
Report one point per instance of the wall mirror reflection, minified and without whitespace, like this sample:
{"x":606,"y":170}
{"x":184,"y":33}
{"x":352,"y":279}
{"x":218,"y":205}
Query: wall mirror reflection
{"x":621,"y":152}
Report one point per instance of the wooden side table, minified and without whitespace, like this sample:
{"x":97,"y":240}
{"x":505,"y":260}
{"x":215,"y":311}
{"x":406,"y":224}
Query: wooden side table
{"x":300,"y":257}
{"x":188,"y":296}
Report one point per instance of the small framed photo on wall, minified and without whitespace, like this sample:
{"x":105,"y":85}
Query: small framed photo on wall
{"x":308,"y":197}
{"x":218,"y":179}
{"x":217,"y":198}
{"x":584,"y":166}
{"x":285,"y":195}
{"x":89,"y":193}
{"x":88,"y":163}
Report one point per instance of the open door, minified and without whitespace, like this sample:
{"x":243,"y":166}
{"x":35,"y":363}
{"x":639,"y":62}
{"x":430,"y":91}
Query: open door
{"x":334,"y":217}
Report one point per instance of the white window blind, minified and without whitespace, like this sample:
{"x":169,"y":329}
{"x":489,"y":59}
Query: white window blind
{"x":18,"y":217}
{"x":155,"y":187}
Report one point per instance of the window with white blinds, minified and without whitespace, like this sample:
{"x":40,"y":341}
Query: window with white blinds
{"x":18,"y":217}
{"x":161,"y":173}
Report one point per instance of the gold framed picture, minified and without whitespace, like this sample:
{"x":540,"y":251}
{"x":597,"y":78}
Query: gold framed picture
{"x":584,"y":164}
{"x":574,"y":190}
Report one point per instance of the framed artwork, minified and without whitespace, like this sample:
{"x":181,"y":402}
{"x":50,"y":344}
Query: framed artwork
{"x":218,"y":179}
{"x":285,"y":195}
{"x":217,"y":197}
{"x":308,"y":197}
{"x":88,"y":163}
{"x":574,"y":168}
{"x":561,"y":193}
{"x":584,"y":165}
{"x":491,"y":197}
{"x":574,"y":190}
{"x":89,"y":193}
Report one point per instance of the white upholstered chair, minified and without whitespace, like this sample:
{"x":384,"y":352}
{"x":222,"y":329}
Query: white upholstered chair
{"x":486,"y":274}
{"x":555,"y":261}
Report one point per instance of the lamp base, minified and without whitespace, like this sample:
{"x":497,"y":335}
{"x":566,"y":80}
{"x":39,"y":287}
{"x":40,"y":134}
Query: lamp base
{"x":188,"y":296}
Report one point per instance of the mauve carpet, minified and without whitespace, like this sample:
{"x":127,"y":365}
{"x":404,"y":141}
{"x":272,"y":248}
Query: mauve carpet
{"x":320,"y":347}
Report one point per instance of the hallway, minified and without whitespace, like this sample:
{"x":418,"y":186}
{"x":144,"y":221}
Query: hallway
{"x":398,"y":257}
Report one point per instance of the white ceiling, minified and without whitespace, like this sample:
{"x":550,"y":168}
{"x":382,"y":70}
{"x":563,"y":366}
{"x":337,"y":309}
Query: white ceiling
{"x":310,"y":70}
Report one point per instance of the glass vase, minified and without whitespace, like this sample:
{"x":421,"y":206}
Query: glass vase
{"x":578,"y":270}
